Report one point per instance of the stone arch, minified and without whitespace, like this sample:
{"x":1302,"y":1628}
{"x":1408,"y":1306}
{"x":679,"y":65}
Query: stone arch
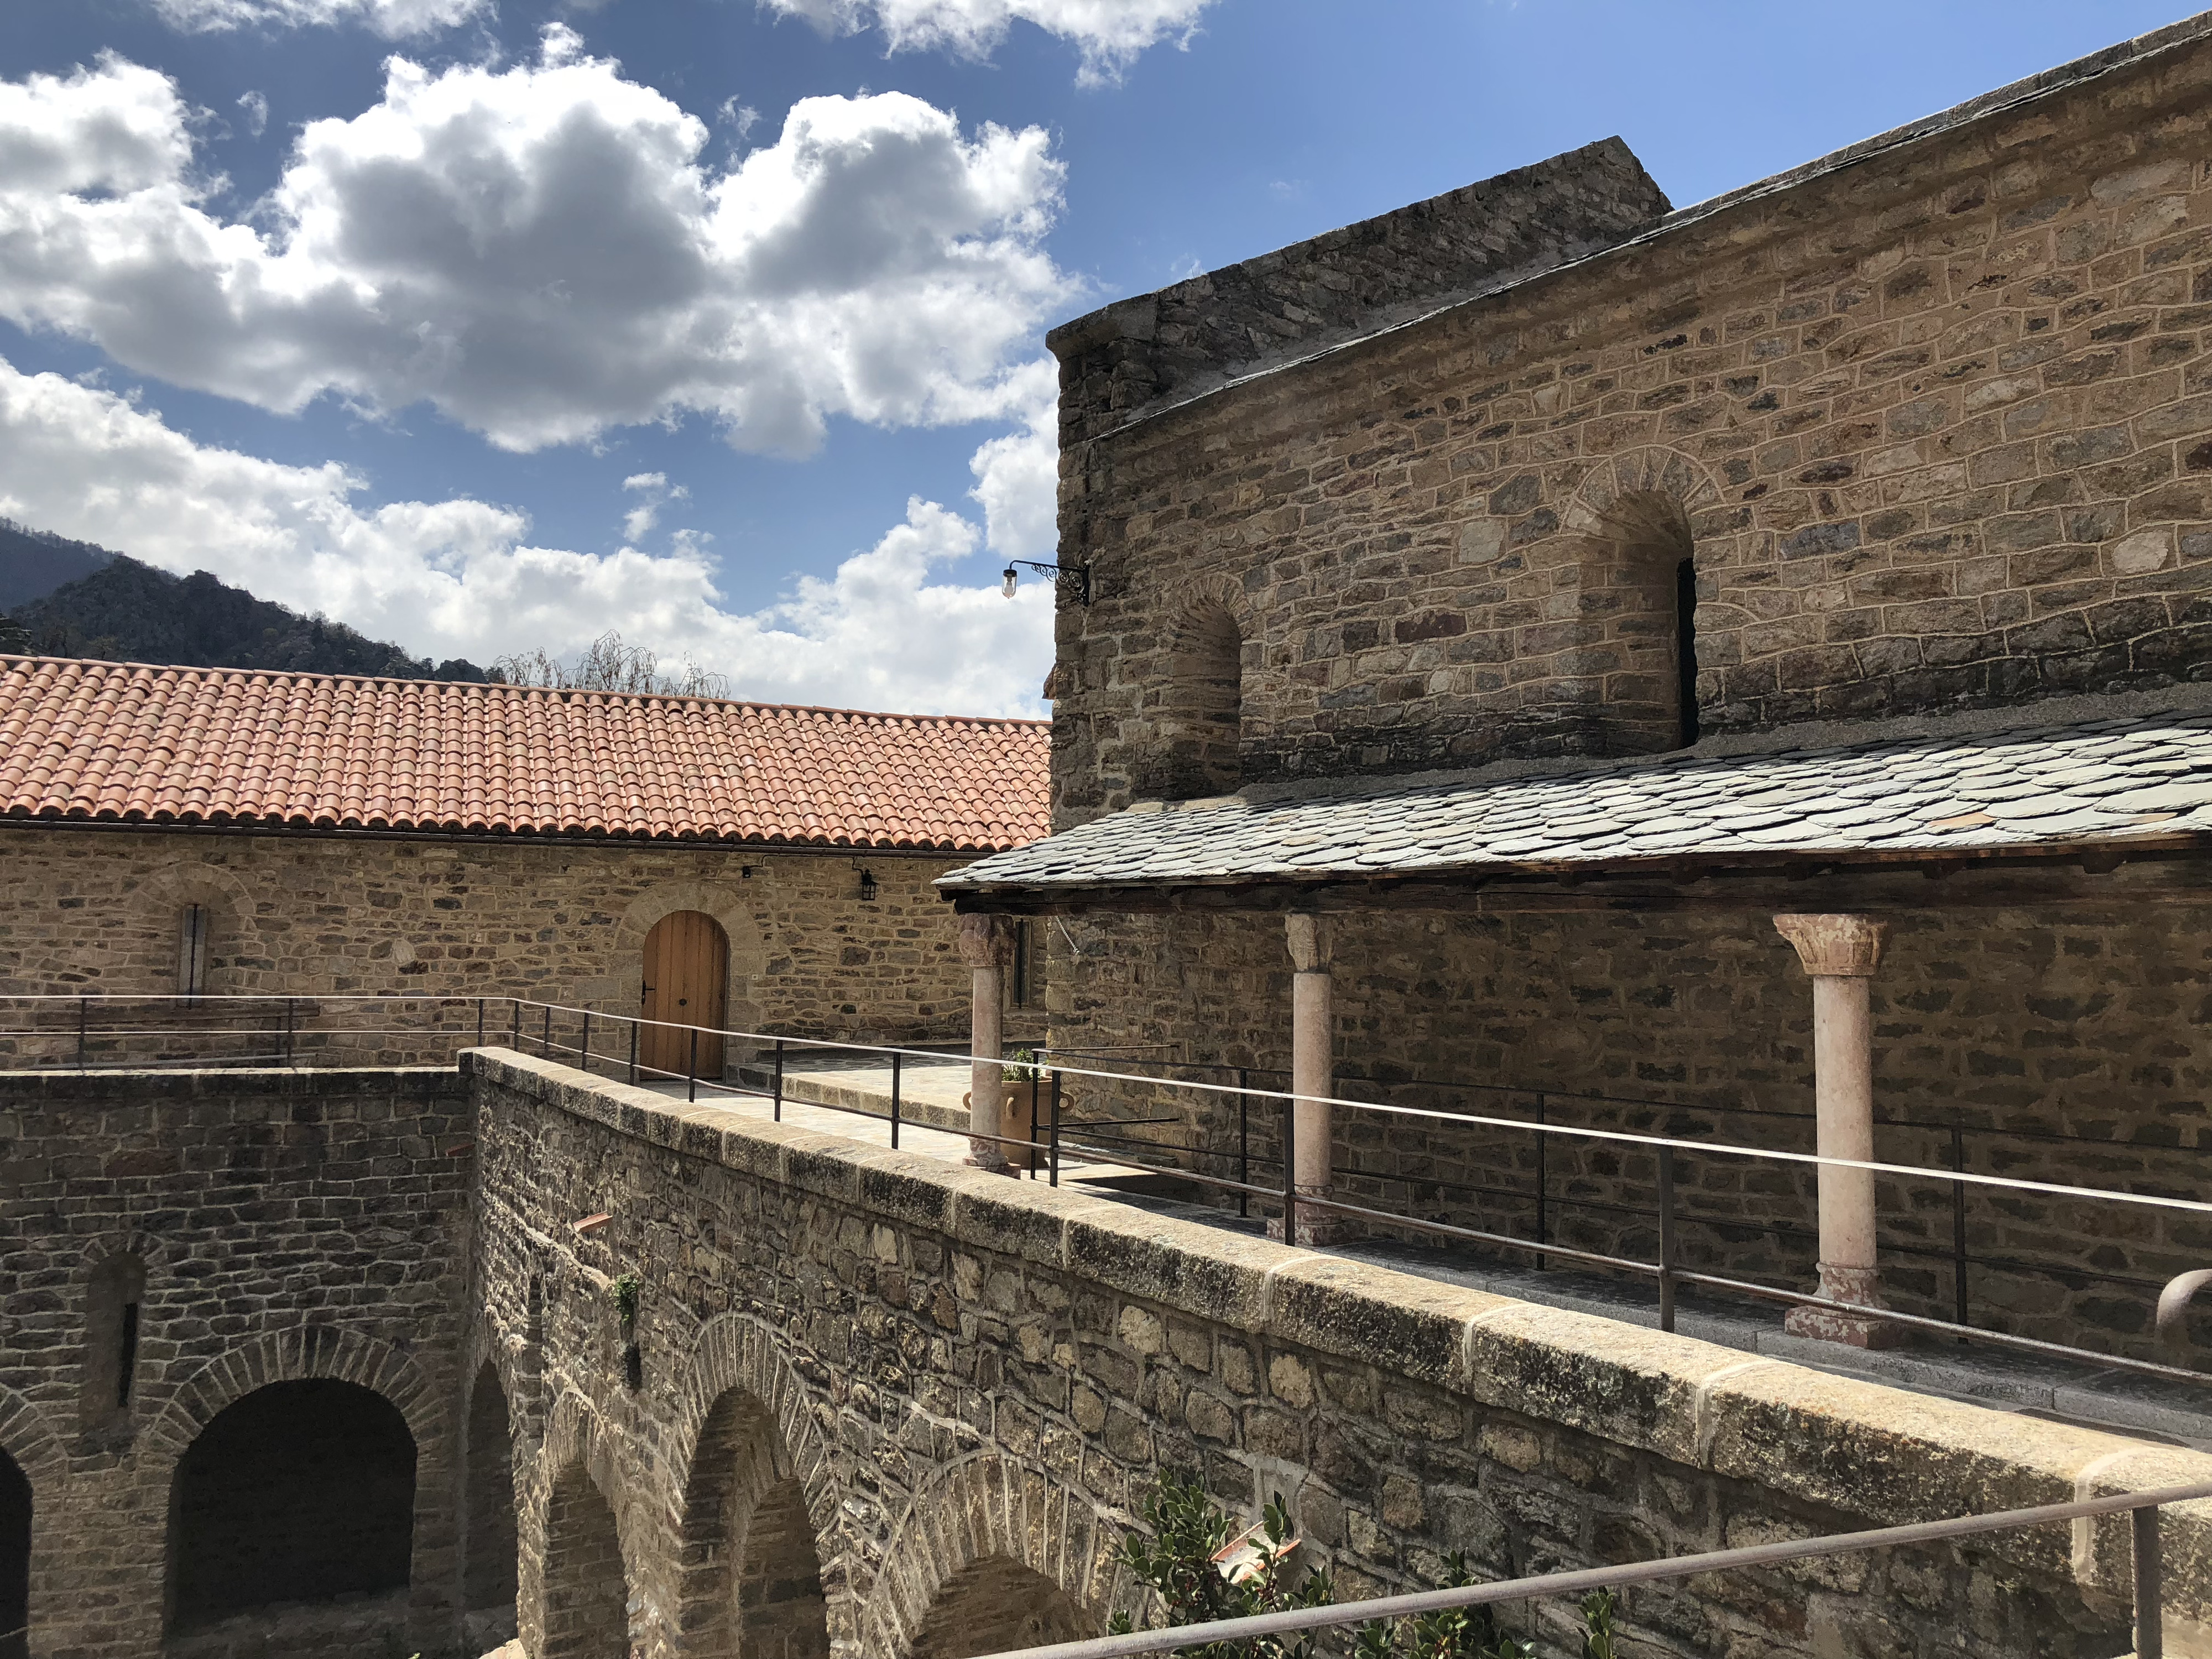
{"x":490,"y":1541}
{"x":987,"y":1524}
{"x":1638,"y":567}
{"x":759,"y":1497}
{"x":1199,"y":702}
{"x":40,"y":1456}
{"x":304,"y":1352}
{"x":581,"y":1571}
{"x":740,"y":925}
{"x":222,"y":893}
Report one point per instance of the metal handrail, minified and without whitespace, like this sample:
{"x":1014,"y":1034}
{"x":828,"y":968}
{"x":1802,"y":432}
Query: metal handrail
{"x":1666,"y":1271}
{"x":2141,"y":1506}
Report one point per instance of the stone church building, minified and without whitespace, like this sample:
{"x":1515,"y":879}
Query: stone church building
{"x":1532,"y":594}
{"x":191,"y":834}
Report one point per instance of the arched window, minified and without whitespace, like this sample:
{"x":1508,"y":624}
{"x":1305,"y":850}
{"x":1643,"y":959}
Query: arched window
{"x":301,"y":1492}
{"x":1198,"y":714}
{"x":108,"y":1370}
{"x":1636,"y":676}
{"x":14,"y":1561}
{"x":490,"y":1578}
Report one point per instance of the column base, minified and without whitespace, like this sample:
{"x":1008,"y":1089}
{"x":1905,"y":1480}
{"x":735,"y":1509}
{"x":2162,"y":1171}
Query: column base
{"x":1861,"y":1286}
{"x":1315,"y":1227}
{"x":987,"y":1155}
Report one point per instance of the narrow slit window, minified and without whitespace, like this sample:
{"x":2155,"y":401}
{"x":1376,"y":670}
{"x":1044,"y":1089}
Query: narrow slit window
{"x":1685,"y":646}
{"x":126,"y":1356}
{"x":192,"y":950}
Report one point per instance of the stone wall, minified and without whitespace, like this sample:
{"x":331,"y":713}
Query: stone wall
{"x":884,"y":1407}
{"x":96,"y":912}
{"x":1935,"y":424}
{"x":2084,"y":1020}
{"x":290,"y":1227}
{"x":966,"y":1382}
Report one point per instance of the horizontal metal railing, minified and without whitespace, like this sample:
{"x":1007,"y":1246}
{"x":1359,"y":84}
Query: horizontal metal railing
{"x":2148,"y":1576}
{"x":564,"y":1030}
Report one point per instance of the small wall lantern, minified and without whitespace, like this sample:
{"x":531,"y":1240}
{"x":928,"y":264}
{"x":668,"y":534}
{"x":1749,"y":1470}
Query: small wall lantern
{"x":1078,"y":575}
{"x":867,"y":888}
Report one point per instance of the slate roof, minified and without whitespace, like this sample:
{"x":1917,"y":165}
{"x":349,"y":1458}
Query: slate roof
{"x":130,"y":744}
{"x":2035,"y":786}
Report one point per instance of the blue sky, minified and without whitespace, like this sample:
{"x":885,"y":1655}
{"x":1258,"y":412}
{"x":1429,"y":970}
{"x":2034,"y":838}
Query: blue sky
{"x":484,"y":327}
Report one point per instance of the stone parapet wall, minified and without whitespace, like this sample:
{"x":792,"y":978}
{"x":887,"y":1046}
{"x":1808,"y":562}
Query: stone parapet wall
{"x":96,"y":912}
{"x":1935,"y":426}
{"x":972,"y":1381}
{"x":289,"y":1225}
{"x":2066,"y":1040}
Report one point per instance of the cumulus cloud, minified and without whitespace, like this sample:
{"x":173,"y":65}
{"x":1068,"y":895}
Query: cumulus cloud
{"x":538,"y":252}
{"x":460,"y":578}
{"x":1109,"y":33}
{"x":652,"y":492}
{"x":1017,"y":475}
{"x":395,"y":20}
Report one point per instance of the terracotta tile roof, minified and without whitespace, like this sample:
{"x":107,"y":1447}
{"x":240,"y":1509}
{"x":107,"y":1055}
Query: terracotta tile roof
{"x":126,"y":743}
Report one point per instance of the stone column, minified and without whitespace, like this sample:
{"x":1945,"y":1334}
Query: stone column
{"x":1313,"y":1065}
{"x":982,"y":947}
{"x":1841,"y":954}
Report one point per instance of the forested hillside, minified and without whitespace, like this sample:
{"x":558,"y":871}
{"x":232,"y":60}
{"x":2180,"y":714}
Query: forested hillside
{"x":126,"y":611}
{"x":33,"y":563}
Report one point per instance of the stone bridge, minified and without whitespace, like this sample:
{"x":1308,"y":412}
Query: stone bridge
{"x":439,"y":1354}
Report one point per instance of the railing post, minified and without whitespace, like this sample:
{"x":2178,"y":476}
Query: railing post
{"x":2150,"y":1624}
{"x":545,"y":1038}
{"x":1054,"y":1130}
{"x":779,"y":1079}
{"x":480,"y":1022}
{"x":633,"y":1054}
{"x":1665,"y":1238}
{"x":895,"y":1098}
{"x":1543,"y":1185}
{"x":1958,"y":1221}
{"x":584,"y":1044}
{"x":1289,"y":1171}
{"x":691,"y":1074}
{"x":291,"y":1025}
{"x":1244,"y":1141}
{"x":515,"y":1003}
{"x":83,"y":1016}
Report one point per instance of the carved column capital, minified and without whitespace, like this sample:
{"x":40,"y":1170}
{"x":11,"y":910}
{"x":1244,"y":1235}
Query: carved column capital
{"x":1836,"y":947}
{"x":983,"y":940}
{"x":1309,"y":942}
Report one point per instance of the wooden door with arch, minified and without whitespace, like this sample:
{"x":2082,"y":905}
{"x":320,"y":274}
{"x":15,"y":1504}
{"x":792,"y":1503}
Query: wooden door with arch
{"x":687,"y":974}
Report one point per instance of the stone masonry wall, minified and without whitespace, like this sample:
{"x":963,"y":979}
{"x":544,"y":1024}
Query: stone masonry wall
{"x":972,"y":1380}
{"x":97,"y":911}
{"x":1936,"y":425}
{"x":291,"y":1224}
{"x":2087,"y":1019}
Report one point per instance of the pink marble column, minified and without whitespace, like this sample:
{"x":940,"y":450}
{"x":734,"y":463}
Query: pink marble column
{"x":1313,"y":1065}
{"x":982,"y":947}
{"x":1841,"y":953}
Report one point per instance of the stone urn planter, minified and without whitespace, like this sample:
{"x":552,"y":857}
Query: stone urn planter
{"x":1016,"y":1101}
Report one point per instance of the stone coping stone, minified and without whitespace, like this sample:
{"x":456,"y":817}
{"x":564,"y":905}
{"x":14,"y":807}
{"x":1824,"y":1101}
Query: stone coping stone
{"x":1861,"y":1447}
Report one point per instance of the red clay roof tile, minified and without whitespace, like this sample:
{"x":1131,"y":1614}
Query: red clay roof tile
{"x":123,"y":742}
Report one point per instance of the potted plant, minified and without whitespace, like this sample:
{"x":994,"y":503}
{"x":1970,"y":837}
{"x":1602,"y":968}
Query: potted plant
{"x":1025,"y":1103}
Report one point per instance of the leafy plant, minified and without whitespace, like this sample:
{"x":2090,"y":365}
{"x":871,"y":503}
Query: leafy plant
{"x":624,"y":1293}
{"x":1021,"y":1066}
{"x":1186,"y":1531}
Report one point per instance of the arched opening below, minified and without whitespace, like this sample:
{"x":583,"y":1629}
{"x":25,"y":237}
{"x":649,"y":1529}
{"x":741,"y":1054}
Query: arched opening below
{"x":301,"y":1492}
{"x":1198,"y":716}
{"x":14,"y":1561}
{"x":752,"y":1577}
{"x":994,"y":1605}
{"x":1635,"y":679}
{"x":586,"y":1592}
{"x":488,"y":1583}
{"x":687,"y":975}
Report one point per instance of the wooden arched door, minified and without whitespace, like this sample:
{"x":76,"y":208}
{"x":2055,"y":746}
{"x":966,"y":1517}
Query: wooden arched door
{"x":687,"y":971}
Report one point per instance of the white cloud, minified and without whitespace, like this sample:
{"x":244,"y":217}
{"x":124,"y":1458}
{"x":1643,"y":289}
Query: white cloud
{"x":1109,"y":33}
{"x":395,"y":20}
{"x":256,"y":106}
{"x":1018,"y":477}
{"x":537,"y":253}
{"x":457,"y":578}
{"x":653,"y":492}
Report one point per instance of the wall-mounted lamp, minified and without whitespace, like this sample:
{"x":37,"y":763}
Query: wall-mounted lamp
{"x":1079,"y":573}
{"x":867,"y":888}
